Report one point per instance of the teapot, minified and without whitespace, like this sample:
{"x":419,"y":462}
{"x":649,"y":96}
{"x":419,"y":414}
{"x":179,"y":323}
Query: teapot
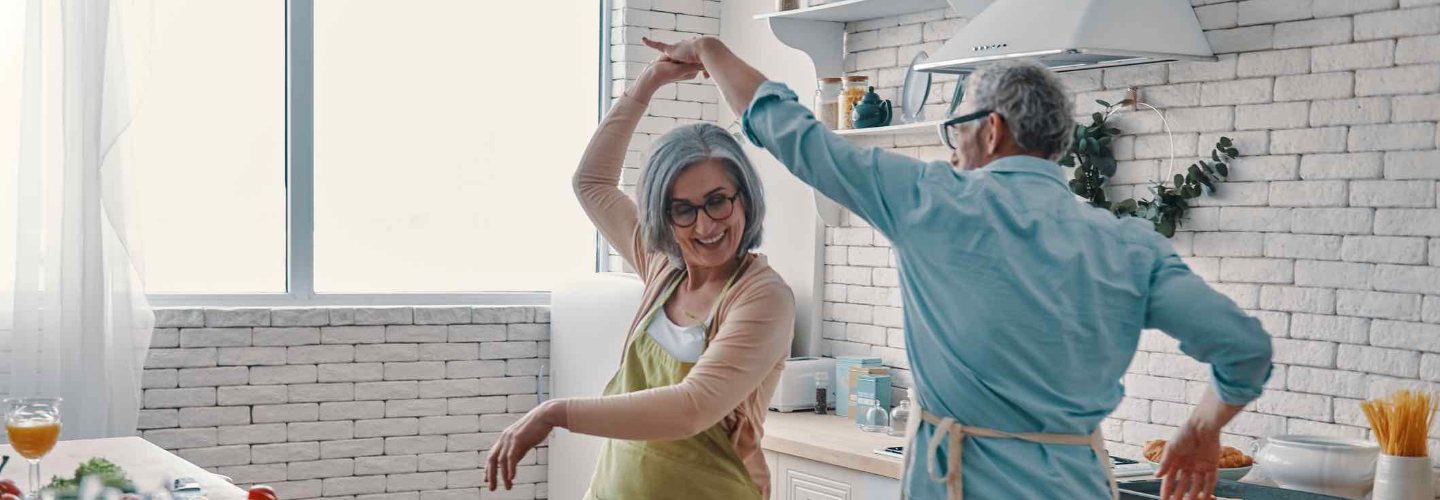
{"x":871,"y":111}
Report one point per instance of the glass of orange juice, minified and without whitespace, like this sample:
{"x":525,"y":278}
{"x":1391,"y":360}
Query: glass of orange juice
{"x":33,"y":425}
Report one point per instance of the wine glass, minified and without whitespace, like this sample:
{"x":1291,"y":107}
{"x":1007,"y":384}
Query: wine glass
{"x":33,"y":425}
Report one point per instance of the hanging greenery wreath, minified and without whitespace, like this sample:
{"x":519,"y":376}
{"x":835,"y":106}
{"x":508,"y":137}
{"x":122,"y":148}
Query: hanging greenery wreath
{"x":1095,"y":163}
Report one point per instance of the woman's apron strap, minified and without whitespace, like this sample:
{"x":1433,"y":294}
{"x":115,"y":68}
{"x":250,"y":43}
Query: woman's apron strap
{"x":948,"y":430}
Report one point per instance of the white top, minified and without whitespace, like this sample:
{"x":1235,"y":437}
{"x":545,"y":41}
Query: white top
{"x":684,"y":343}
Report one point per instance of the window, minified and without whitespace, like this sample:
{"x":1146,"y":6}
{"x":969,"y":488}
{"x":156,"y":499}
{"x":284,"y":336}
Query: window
{"x":208,"y":148}
{"x":336,"y":151}
{"x":446,"y":132}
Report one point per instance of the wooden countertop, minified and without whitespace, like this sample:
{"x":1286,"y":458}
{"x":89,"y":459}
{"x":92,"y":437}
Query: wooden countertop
{"x":832,"y":440}
{"x":149,"y":466}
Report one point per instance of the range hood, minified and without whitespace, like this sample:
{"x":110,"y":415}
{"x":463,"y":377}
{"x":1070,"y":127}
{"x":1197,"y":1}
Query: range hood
{"x":1070,"y":35}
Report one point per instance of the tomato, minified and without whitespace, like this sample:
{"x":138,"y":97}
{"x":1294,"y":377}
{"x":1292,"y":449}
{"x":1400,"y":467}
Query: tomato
{"x":9,"y":496}
{"x":260,"y":492}
{"x":8,"y":487}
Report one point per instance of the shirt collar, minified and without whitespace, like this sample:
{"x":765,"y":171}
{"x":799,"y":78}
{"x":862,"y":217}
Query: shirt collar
{"x":1029,"y":165}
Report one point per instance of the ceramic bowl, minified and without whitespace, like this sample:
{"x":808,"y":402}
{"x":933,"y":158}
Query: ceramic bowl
{"x":1320,"y":464}
{"x":1232,"y":473}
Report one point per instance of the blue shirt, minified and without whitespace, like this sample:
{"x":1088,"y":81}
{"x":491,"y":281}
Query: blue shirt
{"x":1022,"y":305}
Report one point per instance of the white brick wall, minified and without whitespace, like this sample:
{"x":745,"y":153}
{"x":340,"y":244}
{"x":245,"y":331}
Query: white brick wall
{"x":1329,"y":230}
{"x":675,"y":104}
{"x":313,"y":403}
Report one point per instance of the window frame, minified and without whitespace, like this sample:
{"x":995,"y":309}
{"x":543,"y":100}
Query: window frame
{"x":300,"y":193}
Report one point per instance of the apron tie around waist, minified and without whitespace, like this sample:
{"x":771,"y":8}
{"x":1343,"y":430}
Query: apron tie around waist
{"x":947,"y":429}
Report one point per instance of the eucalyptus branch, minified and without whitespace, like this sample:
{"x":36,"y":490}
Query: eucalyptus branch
{"x":1094,"y":164}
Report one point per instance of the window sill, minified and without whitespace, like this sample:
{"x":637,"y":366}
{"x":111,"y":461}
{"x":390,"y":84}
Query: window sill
{"x":531,"y":298}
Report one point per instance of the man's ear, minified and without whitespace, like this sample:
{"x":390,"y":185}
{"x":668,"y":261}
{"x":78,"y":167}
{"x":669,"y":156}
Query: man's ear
{"x":996,"y":132}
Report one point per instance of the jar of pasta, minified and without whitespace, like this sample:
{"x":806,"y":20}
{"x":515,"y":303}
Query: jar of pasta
{"x":827,"y":95}
{"x":855,"y":86}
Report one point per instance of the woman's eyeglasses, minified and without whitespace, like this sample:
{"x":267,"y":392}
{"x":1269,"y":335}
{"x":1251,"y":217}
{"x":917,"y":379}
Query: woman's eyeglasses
{"x":717,"y":207}
{"x":950,"y":128}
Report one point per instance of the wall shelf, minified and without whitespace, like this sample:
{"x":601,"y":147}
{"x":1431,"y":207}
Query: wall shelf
{"x":856,"y":10}
{"x":819,"y":32}
{"x":904,"y":128}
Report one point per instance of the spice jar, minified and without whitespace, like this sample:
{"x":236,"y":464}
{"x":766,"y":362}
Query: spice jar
{"x":827,"y":94}
{"x":855,"y":86}
{"x":822,"y":397}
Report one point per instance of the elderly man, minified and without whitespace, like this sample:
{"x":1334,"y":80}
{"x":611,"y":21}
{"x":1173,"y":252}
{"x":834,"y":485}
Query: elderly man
{"x":1023,"y":306}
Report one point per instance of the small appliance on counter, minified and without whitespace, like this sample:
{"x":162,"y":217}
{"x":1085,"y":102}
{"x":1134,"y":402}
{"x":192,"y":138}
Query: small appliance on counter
{"x":796,"y":390}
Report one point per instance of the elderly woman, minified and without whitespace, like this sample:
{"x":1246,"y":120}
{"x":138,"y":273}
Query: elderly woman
{"x":685,"y":412}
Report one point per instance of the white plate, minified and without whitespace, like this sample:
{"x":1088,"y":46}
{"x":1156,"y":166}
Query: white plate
{"x":916,"y":90}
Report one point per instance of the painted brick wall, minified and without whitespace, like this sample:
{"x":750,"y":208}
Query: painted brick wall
{"x":1328,"y":231}
{"x":392,"y":403}
{"x":675,"y":104}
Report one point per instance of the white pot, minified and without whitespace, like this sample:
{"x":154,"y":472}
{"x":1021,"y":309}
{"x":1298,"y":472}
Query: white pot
{"x":1319,"y":464}
{"x":1403,"y":478}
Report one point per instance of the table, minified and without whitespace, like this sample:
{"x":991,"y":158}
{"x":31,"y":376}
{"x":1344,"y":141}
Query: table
{"x":146,"y":464}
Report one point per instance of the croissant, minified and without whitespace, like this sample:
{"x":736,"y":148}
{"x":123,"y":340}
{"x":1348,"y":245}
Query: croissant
{"x":1154,"y":449}
{"x":1229,"y":456}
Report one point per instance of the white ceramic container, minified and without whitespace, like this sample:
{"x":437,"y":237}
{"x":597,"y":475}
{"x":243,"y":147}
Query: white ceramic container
{"x":1320,"y":464}
{"x":1404,"y":478}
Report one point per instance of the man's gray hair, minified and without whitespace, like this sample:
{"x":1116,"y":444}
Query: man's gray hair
{"x":677,"y":150}
{"x":1032,"y":101}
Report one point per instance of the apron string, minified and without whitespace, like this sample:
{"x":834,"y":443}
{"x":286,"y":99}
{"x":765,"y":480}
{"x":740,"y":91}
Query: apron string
{"x":948,"y":431}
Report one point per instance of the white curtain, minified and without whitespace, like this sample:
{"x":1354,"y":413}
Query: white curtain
{"x":73,"y":313}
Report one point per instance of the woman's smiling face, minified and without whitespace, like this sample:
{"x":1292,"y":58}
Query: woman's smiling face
{"x":707,"y":242}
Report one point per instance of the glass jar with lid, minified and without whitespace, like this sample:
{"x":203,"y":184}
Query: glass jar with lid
{"x":874,"y":418}
{"x":855,"y":88}
{"x":827,"y":94}
{"x":900,"y":417}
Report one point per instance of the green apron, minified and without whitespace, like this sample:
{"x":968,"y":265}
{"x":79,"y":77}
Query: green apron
{"x":700,"y":467}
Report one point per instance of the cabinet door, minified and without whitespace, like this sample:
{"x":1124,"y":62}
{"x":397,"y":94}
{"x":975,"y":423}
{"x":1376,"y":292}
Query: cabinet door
{"x":802,"y":479}
{"x":804,"y":486}
{"x":772,"y":462}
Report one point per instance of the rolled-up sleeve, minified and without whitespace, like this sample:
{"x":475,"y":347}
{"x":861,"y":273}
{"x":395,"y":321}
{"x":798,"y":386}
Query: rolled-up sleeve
{"x":1211,"y":329}
{"x":877,"y":185}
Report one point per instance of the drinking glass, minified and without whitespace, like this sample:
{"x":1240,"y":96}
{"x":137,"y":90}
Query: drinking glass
{"x":33,"y":425}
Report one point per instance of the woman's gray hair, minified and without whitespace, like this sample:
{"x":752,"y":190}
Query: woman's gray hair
{"x":671,"y":154}
{"x":1032,"y":101}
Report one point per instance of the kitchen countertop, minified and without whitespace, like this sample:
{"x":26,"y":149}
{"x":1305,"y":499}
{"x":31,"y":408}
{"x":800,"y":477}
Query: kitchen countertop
{"x":832,"y":440}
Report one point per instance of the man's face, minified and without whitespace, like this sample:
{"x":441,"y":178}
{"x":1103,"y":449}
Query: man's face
{"x":968,"y":138}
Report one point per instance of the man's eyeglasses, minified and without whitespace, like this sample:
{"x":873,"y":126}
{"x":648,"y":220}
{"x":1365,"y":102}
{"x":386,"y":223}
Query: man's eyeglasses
{"x":949,"y":128}
{"x":717,"y":207}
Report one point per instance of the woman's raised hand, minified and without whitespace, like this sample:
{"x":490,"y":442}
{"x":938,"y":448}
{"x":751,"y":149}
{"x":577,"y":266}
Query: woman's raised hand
{"x":685,"y":51}
{"x":665,"y":70}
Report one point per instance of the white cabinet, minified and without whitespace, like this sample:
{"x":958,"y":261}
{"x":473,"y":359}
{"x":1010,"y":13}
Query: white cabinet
{"x":795,"y":478}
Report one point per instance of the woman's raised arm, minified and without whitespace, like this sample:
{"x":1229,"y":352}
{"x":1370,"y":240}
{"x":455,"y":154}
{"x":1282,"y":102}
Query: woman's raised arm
{"x":597,"y":178}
